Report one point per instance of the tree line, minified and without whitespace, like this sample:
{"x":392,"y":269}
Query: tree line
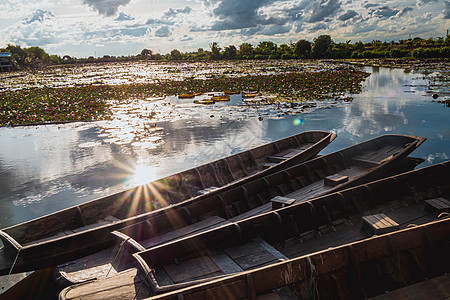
{"x":321,"y":47}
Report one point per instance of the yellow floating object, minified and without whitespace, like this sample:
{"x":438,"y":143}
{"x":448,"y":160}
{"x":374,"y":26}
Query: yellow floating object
{"x":204,"y":101}
{"x":187,"y":96}
{"x":220,"y":98}
{"x":251,"y":95}
{"x":233,"y":92}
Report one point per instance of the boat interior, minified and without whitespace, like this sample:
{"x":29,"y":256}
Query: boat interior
{"x":281,"y":189}
{"x":294,"y":231}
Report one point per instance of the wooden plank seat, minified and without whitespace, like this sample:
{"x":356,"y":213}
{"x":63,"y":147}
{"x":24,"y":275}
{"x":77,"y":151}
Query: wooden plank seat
{"x":280,"y":201}
{"x":437,"y":205}
{"x":379,"y":223}
{"x":335,"y":179}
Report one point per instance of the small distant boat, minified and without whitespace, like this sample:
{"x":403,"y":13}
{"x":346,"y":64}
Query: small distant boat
{"x":188,"y":96}
{"x":84,"y":229}
{"x":204,"y":101}
{"x":232,"y":92}
{"x":332,"y":172}
{"x":221,"y":98}
{"x":251,"y":94}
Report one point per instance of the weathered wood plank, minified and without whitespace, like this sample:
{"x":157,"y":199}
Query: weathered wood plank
{"x":379,"y":223}
{"x":225,"y":263}
{"x":184,"y":231}
{"x":121,"y":286}
{"x":335,"y":179}
{"x":280,"y":201}
{"x":192,"y":269}
{"x":435,"y":288}
{"x":437,"y":205}
{"x":256,"y":211}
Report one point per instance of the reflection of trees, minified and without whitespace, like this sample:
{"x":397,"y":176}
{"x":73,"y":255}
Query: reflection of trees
{"x":6,"y":191}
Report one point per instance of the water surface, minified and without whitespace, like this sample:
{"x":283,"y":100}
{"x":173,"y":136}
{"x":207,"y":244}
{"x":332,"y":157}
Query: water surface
{"x":48,"y":168}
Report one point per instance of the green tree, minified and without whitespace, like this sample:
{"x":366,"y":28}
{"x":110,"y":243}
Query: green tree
{"x":447,"y":40}
{"x":175,"y":55}
{"x":215,"y":50}
{"x":322,"y":47}
{"x":230,"y":52}
{"x":302,"y":49}
{"x":285,"y":51}
{"x":17,"y":52}
{"x":266,"y":48}
{"x":146,"y":53}
{"x":246,"y":49}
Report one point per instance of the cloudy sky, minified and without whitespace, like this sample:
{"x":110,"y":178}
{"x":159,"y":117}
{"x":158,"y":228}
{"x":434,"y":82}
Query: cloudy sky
{"x":83,"y":28}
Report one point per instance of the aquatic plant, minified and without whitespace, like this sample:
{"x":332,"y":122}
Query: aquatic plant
{"x":92,"y":101}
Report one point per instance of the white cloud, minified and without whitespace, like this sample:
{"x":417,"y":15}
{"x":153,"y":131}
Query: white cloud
{"x":124,"y":17}
{"x":77,"y":27}
{"x":163,"y":31}
{"x":40,"y":15}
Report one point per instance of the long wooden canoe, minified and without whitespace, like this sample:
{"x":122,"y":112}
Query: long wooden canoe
{"x":306,"y":180}
{"x":82,"y":229}
{"x":411,"y":263}
{"x":409,"y":199}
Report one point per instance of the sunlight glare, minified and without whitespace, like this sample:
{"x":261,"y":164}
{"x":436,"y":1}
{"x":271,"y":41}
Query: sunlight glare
{"x":143,"y":174}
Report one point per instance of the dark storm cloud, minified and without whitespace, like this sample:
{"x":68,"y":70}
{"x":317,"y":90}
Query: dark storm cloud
{"x":236,"y":14}
{"x":385,"y":12}
{"x":348,"y":15}
{"x":106,"y":7}
{"x":322,"y":9}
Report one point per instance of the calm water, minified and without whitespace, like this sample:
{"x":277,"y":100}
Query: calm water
{"x":47,"y":168}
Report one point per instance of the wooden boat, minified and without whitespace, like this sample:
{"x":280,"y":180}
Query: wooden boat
{"x":204,"y":101}
{"x":188,"y":96}
{"x":251,"y":94}
{"x":256,"y":245}
{"x":328,"y":173}
{"x":223,"y":98}
{"x":232,"y":92}
{"x":80,"y":230}
{"x":408,"y":264}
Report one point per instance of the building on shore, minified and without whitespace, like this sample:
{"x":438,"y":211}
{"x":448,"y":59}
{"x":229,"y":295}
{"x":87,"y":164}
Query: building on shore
{"x":5,"y":62}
